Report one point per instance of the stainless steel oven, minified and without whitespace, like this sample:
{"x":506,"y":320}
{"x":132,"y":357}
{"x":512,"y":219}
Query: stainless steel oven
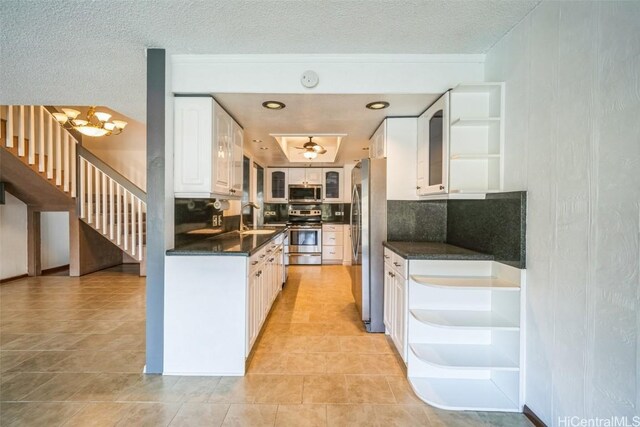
{"x":305,"y":193}
{"x":305,"y":235}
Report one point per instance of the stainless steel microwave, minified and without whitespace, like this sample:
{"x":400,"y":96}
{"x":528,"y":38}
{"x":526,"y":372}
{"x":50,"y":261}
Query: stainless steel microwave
{"x":305,"y":193}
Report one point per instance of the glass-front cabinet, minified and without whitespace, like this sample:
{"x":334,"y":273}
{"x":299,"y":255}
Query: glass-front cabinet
{"x":332,"y":183}
{"x":277,"y":183}
{"x":433,"y":149}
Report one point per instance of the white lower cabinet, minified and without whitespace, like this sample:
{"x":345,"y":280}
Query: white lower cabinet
{"x":395,"y":296}
{"x":215,"y":307}
{"x":332,"y":243}
{"x":264,"y":283}
{"x":461,"y":326}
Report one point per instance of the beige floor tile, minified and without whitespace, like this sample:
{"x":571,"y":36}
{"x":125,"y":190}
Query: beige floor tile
{"x":196,"y":389}
{"x":402,"y":391}
{"x":242,"y":415}
{"x":359,"y":344}
{"x":105,"y":387}
{"x":148,"y":414}
{"x":351,"y":415}
{"x":498,"y":419}
{"x":37,"y":413}
{"x":325,"y":389}
{"x":61,"y":387}
{"x":237,"y":389}
{"x":401,"y":415}
{"x":199,"y":414}
{"x":368,"y":389}
{"x":99,"y":414}
{"x":152,"y":388}
{"x":305,"y":363}
{"x":44,"y":361}
{"x":441,"y":418}
{"x":280,"y":389}
{"x":301,"y":416}
{"x":16,"y":386}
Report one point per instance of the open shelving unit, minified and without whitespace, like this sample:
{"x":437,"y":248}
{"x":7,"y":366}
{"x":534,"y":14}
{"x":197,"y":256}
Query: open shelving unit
{"x":476,"y":139}
{"x":466,"y":335}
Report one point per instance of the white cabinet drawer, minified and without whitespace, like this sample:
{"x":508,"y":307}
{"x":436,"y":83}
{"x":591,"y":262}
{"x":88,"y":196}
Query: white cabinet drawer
{"x":388,"y":256}
{"x":400,"y":264}
{"x":330,"y":253}
{"x":332,"y":238}
{"x":331,"y":227}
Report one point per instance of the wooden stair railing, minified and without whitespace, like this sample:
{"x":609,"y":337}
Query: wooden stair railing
{"x":106,"y":200}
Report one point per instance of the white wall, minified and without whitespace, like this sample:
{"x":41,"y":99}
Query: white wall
{"x":126,"y":153}
{"x":54,"y":239}
{"x":572,"y":72}
{"x":13,"y":238}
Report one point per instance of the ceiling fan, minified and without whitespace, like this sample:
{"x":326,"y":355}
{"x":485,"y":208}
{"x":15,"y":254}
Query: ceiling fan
{"x":311,"y":149}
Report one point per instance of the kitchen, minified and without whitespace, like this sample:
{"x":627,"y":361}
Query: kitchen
{"x":404,"y":191}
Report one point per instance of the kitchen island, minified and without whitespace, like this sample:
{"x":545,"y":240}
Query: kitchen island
{"x":218,"y":293}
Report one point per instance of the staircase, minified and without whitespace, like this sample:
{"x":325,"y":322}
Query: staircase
{"x":103,"y":199}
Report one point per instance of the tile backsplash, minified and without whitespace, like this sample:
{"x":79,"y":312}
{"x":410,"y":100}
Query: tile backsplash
{"x":495,"y":225}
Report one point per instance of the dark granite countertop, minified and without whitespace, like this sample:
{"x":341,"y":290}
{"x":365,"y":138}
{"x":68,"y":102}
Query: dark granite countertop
{"x":434,"y":250}
{"x":231,"y":244}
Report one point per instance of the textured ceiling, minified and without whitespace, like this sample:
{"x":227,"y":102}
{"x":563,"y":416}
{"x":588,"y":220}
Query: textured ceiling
{"x":86,"y":52}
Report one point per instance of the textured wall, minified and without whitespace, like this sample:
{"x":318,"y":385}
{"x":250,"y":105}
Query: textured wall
{"x":54,"y":239}
{"x":13,"y":238}
{"x":573,"y":141}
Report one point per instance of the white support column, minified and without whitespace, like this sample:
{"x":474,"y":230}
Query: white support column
{"x":41,"y":156}
{"x":58,"y":154}
{"x":105,"y":211}
{"x":21,"y":131}
{"x":96,"y":200}
{"x":119,"y":215}
{"x":89,"y":191}
{"x":73,"y":167}
{"x":9,"y":142}
{"x":140,"y":239}
{"x":112,"y":217}
{"x":32,"y":135}
{"x":125,"y":232}
{"x":133,"y":225}
{"x":50,"y":149}
{"x":65,"y":168}
{"x":83,"y":186}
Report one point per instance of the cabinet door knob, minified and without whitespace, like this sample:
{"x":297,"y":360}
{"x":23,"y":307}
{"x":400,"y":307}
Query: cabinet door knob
{"x":396,"y":264}
{"x":418,"y":187}
{"x":442,"y":187}
{"x":387,"y":257}
{"x":254,"y":262}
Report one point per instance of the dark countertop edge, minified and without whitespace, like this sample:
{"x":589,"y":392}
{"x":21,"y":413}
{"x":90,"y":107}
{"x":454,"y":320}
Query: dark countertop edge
{"x":178,"y":252}
{"x":469,"y":255}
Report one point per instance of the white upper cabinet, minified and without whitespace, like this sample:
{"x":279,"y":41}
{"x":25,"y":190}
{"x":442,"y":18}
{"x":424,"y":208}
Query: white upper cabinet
{"x":433,"y":148}
{"x":305,"y":176}
{"x":396,"y":140}
{"x":208,"y":150}
{"x":277,"y":185}
{"x":378,"y":142}
{"x":470,"y":143}
{"x":332,"y":184}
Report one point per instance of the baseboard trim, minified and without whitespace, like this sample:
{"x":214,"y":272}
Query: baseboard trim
{"x":533,"y":417}
{"x":55,"y":269}
{"x":11,"y":279}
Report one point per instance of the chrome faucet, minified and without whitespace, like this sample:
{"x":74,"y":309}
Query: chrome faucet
{"x":253,"y":205}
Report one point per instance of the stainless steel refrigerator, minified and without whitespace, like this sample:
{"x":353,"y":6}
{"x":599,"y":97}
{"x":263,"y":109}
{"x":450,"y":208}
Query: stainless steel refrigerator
{"x":368,"y":231}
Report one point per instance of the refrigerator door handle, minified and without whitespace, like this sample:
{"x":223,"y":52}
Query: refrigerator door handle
{"x":355,"y":235}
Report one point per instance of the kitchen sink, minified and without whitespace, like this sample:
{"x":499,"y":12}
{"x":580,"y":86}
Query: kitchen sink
{"x":258,"y":232}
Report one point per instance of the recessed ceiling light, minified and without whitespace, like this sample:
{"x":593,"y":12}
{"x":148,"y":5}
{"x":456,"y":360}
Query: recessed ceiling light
{"x":258,"y":141}
{"x":264,"y":148}
{"x":273,"y":105}
{"x":377,"y":105}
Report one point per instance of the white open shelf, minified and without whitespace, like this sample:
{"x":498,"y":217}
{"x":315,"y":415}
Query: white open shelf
{"x":464,"y":356}
{"x":475,"y":121}
{"x":463,"y":394}
{"x":470,"y":282}
{"x":466,"y":334}
{"x":467,"y":319}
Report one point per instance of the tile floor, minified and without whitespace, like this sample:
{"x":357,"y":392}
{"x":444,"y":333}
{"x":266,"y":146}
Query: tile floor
{"x":72,"y":349}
